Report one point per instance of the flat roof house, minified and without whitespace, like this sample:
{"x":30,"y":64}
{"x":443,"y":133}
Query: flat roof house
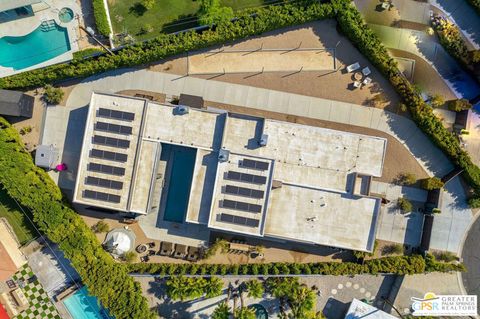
{"x":230,"y":172}
{"x":16,"y":103}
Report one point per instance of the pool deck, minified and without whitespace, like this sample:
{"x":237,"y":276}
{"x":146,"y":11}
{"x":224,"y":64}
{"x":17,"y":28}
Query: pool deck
{"x":23,"y":26}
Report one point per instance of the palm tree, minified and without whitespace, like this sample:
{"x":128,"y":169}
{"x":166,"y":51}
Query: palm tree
{"x":221,"y":312}
{"x":213,"y":287}
{"x":254,"y":288}
{"x":302,"y":301}
{"x":245,"y":313}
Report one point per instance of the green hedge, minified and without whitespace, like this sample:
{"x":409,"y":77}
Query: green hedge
{"x":101,"y":20}
{"x":355,"y":28}
{"x":250,"y":22}
{"x":401,"y":265}
{"x":33,"y":188}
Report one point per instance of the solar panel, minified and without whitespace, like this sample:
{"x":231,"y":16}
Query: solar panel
{"x":242,"y":191}
{"x":242,"y":206}
{"x":110,"y":141}
{"x":247,"y":178}
{"x":111,"y":156}
{"x":113,"y":128}
{"x":107,"y":169}
{"x":102,"y":182}
{"x":118,"y":115}
{"x":248,"y":163}
{"x":227,"y":218}
{"x":101,"y":196}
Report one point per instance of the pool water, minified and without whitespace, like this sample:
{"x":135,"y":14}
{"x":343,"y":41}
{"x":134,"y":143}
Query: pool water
{"x":42,"y":44}
{"x":260,"y":311}
{"x":82,"y":306}
{"x":65,"y":15}
{"x":182,"y":161}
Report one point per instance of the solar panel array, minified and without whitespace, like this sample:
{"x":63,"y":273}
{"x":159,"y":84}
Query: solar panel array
{"x":117,"y":115}
{"x":111,"y":156}
{"x":239,"y":220}
{"x":113,"y":128}
{"x":243,"y":191}
{"x":106,"y":169}
{"x":242,"y":206}
{"x":102,"y":182}
{"x":260,"y":165}
{"x":106,"y":197}
{"x":110,"y":141}
{"x":246,"y":178}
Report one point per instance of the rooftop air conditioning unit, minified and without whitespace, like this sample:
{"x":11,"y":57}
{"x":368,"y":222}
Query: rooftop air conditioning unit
{"x":223,"y":155}
{"x":263,"y":140}
{"x":182,"y":109}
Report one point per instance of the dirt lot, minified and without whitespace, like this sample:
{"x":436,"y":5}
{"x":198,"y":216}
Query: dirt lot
{"x":264,"y":60}
{"x":334,"y":85}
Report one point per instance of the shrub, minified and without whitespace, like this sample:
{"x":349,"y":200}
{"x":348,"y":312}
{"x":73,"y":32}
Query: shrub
{"x":474,"y":202}
{"x":188,"y":288}
{"x":25,"y":130}
{"x":436,"y":100}
{"x":432,"y":183}
{"x":52,"y":95}
{"x":101,"y":227}
{"x":446,"y":256}
{"x":148,"y":4}
{"x":407,"y":179}
{"x":254,"y":288}
{"x":436,"y":211}
{"x":130,"y":257}
{"x":101,"y":20}
{"x":86,"y":53}
{"x":459,"y":105}
{"x":392,"y":249}
{"x":211,"y":12}
{"x":404,"y":204}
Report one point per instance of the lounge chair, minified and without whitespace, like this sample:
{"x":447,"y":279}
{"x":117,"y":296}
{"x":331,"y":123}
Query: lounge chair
{"x":193,"y":253}
{"x":367,"y":80}
{"x":166,"y":249}
{"x":357,"y":84}
{"x":366,"y":71}
{"x":180,"y":251}
{"x":353,"y":67}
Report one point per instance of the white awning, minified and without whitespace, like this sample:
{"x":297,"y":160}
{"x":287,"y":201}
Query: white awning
{"x":13,"y":4}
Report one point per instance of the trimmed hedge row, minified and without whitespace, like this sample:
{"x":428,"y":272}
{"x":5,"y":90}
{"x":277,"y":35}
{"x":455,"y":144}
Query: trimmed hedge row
{"x":101,"y":20}
{"x":354,"y":27}
{"x":250,"y":22}
{"x":34,"y":189}
{"x":401,"y":265}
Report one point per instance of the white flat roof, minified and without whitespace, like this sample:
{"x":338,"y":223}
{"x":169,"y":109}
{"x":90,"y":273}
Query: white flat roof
{"x":314,"y":166}
{"x":361,"y":310}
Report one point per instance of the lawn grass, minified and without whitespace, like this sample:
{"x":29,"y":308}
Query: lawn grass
{"x":165,"y":17}
{"x":20,"y":224}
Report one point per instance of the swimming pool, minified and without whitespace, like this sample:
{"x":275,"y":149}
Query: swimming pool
{"x":44,"y":43}
{"x":182,"y":160}
{"x":82,"y":306}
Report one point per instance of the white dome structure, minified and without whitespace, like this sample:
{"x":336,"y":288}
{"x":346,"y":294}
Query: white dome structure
{"x":119,"y":241}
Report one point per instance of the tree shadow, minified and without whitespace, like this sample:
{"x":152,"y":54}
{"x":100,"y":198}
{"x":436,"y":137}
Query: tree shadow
{"x":137,"y":9}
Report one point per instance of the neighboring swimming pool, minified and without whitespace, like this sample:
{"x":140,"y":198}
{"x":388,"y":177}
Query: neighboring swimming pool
{"x":182,"y":161}
{"x":46,"y":42}
{"x":82,"y":306}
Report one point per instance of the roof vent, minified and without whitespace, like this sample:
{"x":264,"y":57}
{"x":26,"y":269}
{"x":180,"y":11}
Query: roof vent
{"x":182,"y":109}
{"x":263,"y":140}
{"x":223,"y":155}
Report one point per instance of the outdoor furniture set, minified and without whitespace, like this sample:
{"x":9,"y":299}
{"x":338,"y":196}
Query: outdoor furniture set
{"x":360,"y":76}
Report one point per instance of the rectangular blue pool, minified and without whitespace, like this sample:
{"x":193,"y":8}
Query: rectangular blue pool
{"x":82,"y":306}
{"x":182,"y":162}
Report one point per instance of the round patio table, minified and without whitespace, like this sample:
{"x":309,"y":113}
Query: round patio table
{"x":358,"y":76}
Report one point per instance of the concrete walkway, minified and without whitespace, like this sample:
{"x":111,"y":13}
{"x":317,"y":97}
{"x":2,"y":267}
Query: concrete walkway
{"x":450,"y":225}
{"x":425,"y":46}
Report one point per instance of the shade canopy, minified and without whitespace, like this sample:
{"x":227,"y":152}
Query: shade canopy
{"x":119,"y":241}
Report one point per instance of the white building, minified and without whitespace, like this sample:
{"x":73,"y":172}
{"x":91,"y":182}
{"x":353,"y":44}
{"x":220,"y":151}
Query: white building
{"x":230,"y":172}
